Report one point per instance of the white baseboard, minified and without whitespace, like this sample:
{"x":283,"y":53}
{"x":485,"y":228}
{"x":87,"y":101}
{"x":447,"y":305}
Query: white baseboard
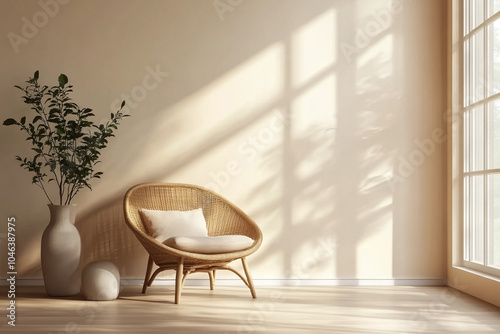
{"x":265,"y":282}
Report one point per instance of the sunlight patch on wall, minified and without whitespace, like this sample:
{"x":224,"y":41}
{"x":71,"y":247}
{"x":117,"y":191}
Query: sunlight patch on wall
{"x":245,"y":90}
{"x":374,"y":65}
{"x":309,"y":148}
{"x":313,"y":122}
{"x":315,"y":109}
{"x":312,"y":128}
{"x":207,"y":122}
{"x":375,"y":82}
{"x":314,"y":258}
{"x":250,"y":86}
{"x":253,"y":157}
{"x":374,"y":251}
{"x":313,"y":47}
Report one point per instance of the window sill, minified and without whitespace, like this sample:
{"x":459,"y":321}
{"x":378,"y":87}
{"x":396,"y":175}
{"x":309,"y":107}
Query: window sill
{"x":478,"y":273}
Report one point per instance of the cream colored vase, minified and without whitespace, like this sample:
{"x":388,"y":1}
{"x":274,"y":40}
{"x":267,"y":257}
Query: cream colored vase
{"x":61,"y":247}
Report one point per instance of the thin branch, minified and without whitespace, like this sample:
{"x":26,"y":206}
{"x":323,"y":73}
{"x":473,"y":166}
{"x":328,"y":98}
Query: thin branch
{"x":44,"y":191}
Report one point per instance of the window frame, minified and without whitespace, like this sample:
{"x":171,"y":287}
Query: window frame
{"x":467,"y":82}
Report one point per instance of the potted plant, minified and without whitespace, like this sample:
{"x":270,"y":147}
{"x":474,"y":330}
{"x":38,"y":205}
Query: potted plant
{"x":66,"y":145}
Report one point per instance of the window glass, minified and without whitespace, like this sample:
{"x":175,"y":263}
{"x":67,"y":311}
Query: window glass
{"x":476,"y":13}
{"x":493,"y":125}
{"x":477,"y":66}
{"x":476,"y":138}
{"x":466,"y":218}
{"x":466,"y":141}
{"x":493,"y":61}
{"x":494,"y":220}
{"x":477,"y":218}
{"x":466,"y":73}
{"x":493,"y":6}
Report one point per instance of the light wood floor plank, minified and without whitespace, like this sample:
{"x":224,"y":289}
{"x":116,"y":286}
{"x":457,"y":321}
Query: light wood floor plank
{"x":276,"y":310}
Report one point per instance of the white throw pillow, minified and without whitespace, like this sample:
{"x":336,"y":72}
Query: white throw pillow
{"x":210,"y":245}
{"x":167,"y":224}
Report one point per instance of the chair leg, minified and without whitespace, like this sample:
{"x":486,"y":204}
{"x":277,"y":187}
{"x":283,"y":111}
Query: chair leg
{"x":178,"y":281}
{"x":211,"y":274}
{"x":249,"y":277}
{"x":148,"y":274}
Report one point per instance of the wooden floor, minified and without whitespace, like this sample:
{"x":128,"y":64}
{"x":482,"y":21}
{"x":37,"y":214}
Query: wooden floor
{"x":277,"y":310}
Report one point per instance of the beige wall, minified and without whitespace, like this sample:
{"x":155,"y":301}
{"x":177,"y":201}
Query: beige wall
{"x":331,"y":111}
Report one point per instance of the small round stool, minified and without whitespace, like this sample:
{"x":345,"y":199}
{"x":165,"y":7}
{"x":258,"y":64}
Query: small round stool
{"x":100,"y":281}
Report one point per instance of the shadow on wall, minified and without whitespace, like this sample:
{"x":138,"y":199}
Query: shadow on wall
{"x":105,"y":236}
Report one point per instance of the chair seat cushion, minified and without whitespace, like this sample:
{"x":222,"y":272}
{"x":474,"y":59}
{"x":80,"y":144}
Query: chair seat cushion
{"x":210,"y":245}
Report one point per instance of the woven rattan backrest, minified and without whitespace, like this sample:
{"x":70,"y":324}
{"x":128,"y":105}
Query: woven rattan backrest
{"x":222,"y":217}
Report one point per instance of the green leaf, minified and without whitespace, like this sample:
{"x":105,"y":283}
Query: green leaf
{"x":36,"y":75}
{"x":9,"y":121}
{"x":63,"y":80}
{"x":123,"y":104}
{"x":23,"y":120}
{"x":34,"y":79}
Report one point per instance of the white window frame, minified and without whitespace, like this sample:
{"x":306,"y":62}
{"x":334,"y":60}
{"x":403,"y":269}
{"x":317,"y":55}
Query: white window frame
{"x":467,"y":248}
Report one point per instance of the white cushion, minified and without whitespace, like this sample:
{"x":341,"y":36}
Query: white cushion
{"x":210,"y":245}
{"x":166,"y":224}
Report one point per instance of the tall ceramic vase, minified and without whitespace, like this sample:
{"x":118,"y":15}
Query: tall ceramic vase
{"x":61,"y":246}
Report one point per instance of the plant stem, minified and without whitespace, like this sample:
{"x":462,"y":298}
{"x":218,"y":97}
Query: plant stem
{"x":44,"y":191}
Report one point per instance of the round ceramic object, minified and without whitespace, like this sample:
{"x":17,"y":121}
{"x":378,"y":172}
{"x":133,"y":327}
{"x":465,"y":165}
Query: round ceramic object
{"x":100,"y":281}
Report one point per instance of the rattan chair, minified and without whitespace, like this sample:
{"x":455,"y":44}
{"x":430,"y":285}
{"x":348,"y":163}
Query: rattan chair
{"x":222,"y":218}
